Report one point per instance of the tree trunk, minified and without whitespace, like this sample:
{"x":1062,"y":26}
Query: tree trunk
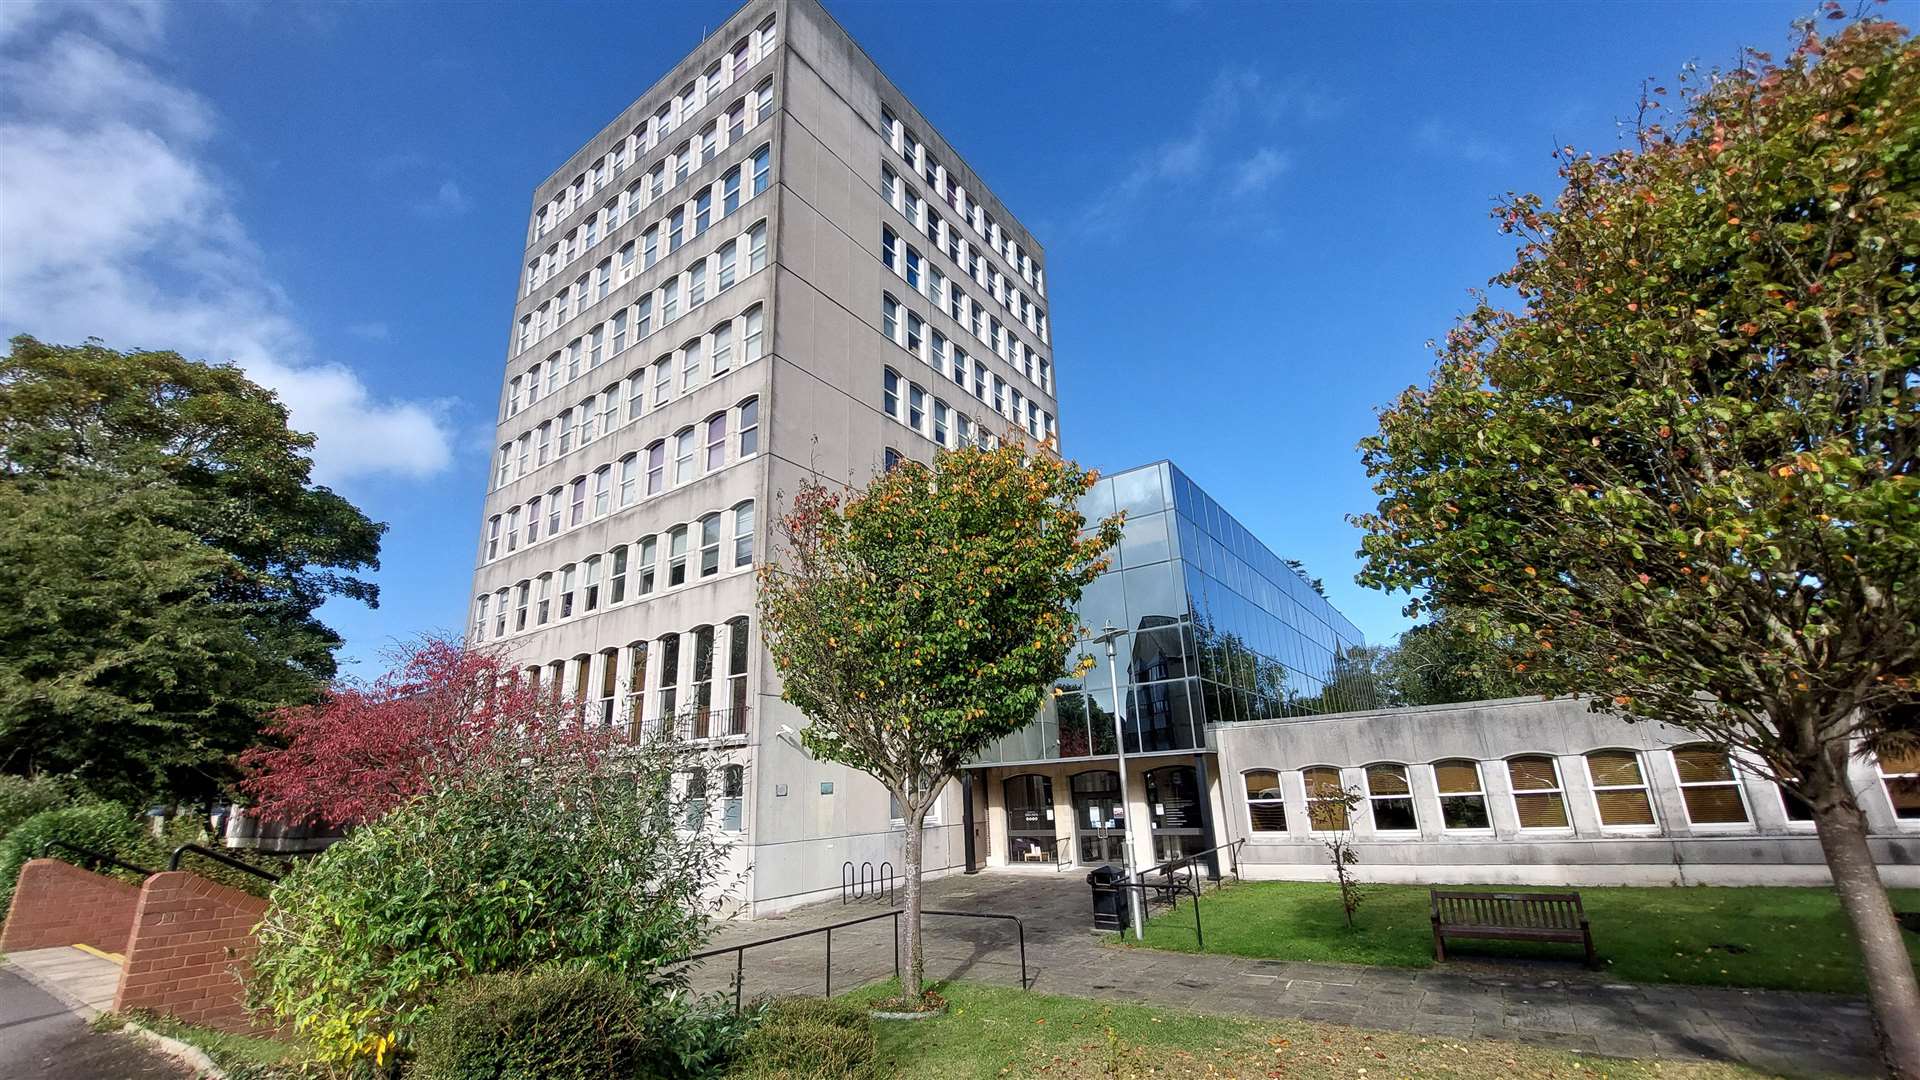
{"x":1891,"y":987}
{"x":910,"y":986}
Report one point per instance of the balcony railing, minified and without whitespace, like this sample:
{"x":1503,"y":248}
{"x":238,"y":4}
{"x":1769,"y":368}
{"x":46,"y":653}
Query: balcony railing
{"x":689,"y":725}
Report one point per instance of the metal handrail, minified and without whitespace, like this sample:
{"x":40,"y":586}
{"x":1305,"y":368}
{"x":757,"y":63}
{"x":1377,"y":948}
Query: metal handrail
{"x":1232,"y":848}
{"x":740,"y":951}
{"x":173,"y":862}
{"x":97,"y":857}
{"x":1060,"y":863}
{"x":1185,"y":885}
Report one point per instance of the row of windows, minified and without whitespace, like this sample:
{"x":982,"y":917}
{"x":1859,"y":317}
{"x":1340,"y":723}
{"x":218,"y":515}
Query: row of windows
{"x":905,"y":261}
{"x":696,"y":451}
{"x":653,"y":130}
{"x":946,"y":240}
{"x":705,"y":356}
{"x":1710,"y":788}
{"x":922,"y":163}
{"x":931,"y":347}
{"x":629,"y":572}
{"x":686,"y":222}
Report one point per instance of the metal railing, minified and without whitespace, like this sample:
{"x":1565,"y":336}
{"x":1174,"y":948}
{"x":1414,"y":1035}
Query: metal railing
{"x":221,"y":857}
{"x":740,"y":951}
{"x":97,"y":858}
{"x":867,"y":881}
{"x":1173,"y":883}
{"x":690,"y":725}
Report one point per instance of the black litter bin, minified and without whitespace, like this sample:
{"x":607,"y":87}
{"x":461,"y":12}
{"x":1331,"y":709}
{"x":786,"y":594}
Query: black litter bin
{"x":1110,"y":905}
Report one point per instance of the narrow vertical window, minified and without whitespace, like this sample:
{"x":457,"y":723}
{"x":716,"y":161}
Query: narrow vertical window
{"x":644,"y":571}
{"x":677,"y":556}
{"x":710,"y":545}
{"x":617,"y":575}
{"x":752,"y":344}
{"x":743,"y":534}
{"x":716,"y":442}
{"x":757,"y":247}
{"x":749,"y":427}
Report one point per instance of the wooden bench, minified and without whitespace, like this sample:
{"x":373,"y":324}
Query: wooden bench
{"x":1509,"y":917}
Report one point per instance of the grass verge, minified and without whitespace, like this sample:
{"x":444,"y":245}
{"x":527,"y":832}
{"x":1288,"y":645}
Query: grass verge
{"x":1776,"y":938}
{"x":243,"y":1057}
{"x":991,"y":1031}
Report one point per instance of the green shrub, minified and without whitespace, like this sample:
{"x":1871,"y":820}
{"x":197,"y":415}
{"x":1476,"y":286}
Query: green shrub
{"x":808,"y":1039}
{"x":21,"y":797}
{"x":555,"y":1023}
{"x":108,"y":828}
{"x":526,"y":862}
{"x":191,"y":827}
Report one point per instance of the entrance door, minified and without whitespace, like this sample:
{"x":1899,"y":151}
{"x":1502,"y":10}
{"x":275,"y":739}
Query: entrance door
{"x":1173,"y":797}
{"x":1030,"y":819}
{"x":1099,"y":817}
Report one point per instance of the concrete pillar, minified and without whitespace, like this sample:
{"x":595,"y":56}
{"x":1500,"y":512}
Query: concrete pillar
{"x":1577,"y":784}
{"x":1209,"y":834}
{"x":622,"y":686}
{"x":996,"y":794}
{"x":967,"y":820}
{"x":1139,"y":813}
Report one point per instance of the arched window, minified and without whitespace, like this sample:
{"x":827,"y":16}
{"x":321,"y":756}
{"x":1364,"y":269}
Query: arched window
{"x":889,"y":318}
{"x":890,"y":393}
{"x":602,"y":490}
{"x":669,"y":645}
{"x":738,"y":646}
{"x":656,"y":467}
{"x":762,"y":165}
{"x":662,"y":381}
{"x":1538,"y":799}
{"x":703,"y":682}
{"x":1463,"y":798}
{"x":1266,"y":807}
{"x":644,"y":570}
{"x":1619,"y":788}
{"x":733,"y":790}
{"x":709,"y":545}
{"x":609,"y":684}
{"x":480,"y":616}
{"x":493,"y":537}
{"x":677,"y":556}
{"x":577,"y":498}
{"x":696,"y":805}
{"x":683,"y":441}
{"x":543,"y":607}
{"x":1900,"y":774}
{"x":730,"y":191}
{"x":533,"y":519}
{"x":722,"y":347}
{"x":763,"y":100}
{"x":617,"y":574}
{"x":590,"y":583}
{"x":500,"y":614}
{"x":890,"y":459}
{"x":1391,"y":799}
{"x":566,"y":590}
{"x":743,"y":534}
{"x":716,"y":441}
{"x":690,"y":364}
{"x":1708,"y":786}
{"x":916,"y":408}
{"x":1326,"y":810}
{"x":636,"y":687}
{"x":629,"y":479}
{"x":749,"y":437}
{"x":752,"y":344}
{"x":757,"y":247}
{"x":513,"y":529}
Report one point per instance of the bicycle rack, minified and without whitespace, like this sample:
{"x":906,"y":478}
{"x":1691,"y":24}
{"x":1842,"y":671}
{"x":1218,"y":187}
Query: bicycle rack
{"x":867,"y":882}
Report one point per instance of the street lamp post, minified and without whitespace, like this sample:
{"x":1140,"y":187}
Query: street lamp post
{"x":1107,"y":636}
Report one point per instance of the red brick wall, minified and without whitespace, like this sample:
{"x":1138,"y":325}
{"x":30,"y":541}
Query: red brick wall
{"x":56,"y":903}
{"x":191,"y":948}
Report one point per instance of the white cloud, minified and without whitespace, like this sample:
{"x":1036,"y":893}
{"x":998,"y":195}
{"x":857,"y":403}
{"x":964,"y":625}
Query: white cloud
{"x":113,"y":224}
{"x":1255,"y":173}
{"x":448,"y":201}
{"x":1444,"y":140}
{"x":1237,"y":98}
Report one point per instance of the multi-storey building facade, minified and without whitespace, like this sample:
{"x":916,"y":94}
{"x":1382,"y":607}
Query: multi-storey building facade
{"x":768,"y":267}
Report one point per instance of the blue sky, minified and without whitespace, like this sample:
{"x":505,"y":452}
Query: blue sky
{"x":1254,"y":214}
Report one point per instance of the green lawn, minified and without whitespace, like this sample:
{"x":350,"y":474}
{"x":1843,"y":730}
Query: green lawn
{"x":1002,"y":1032}
{"x":1793,"y":939}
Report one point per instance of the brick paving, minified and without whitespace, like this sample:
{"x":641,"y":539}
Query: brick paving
{"x":1544,"y":1003}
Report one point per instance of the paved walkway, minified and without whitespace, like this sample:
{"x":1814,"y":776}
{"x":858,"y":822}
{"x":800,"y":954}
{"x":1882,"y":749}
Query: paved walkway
{"x":47,"y":1038}
{"x":1543,"y":1003}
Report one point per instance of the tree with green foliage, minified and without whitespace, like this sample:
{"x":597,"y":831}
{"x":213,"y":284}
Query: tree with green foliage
{"x":163,"y":556}
{"x":918,"y":620}
{"x":1442,"y":661}
{"x":1684,"y":473}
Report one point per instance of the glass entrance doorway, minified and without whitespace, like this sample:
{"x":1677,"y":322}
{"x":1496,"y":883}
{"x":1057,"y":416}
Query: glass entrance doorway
{"x":1030,"y":819}
{"x":1173,"y":797}
{"x":1099,"y":817}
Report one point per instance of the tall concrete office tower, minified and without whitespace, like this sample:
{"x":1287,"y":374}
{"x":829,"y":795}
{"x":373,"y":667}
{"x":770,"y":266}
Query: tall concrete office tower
{"x":769,"y":266}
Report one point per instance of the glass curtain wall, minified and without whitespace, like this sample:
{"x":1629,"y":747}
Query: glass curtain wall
{"x":1218,"y":629}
